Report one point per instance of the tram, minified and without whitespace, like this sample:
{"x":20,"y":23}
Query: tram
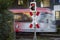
{"x":22,"y":20}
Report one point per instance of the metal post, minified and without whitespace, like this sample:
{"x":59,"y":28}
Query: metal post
{"x":35,"y":38}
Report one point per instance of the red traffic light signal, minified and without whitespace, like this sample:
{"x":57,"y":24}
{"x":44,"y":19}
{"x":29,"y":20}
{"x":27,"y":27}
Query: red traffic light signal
{"x":33,"y":4}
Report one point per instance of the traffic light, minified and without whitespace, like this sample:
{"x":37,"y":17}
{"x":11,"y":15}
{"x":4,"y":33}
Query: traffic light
{"x":33,"y":6}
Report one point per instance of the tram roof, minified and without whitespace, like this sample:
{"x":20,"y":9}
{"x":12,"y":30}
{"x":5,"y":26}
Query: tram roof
{"x":28,"y":10}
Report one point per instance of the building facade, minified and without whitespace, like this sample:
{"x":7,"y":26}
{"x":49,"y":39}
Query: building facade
{"x":57,"y":10}
{"x":57,"y":14}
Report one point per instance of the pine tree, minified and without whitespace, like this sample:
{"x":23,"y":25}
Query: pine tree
{"x":6,"y":20}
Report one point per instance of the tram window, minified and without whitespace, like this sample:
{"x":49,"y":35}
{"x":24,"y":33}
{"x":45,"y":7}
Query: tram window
{"x":22,"y":17}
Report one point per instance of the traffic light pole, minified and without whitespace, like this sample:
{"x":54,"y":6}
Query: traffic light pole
{"x":33,"y":10}
{"x":35,"y":38}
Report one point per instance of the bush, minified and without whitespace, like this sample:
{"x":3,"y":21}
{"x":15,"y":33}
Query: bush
{"x":6,"y":21}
